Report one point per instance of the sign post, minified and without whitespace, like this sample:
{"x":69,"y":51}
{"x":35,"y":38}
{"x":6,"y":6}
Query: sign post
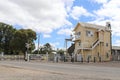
{"x":26,"y":54}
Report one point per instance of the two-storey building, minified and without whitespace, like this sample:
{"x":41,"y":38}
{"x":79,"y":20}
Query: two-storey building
{"x":92,"y":42}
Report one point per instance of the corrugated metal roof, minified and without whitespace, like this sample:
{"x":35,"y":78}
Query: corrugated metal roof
{"x":89,"y":25}
{"x":92,"y":25}
{"x":116,"y":47}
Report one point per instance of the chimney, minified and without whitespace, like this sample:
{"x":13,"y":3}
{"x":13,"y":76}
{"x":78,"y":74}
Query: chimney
{"x":108,"y":25}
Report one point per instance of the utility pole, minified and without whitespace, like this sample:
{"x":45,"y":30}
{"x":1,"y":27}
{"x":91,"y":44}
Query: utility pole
{"x":38,"y":42}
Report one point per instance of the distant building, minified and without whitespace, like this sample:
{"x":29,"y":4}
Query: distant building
{"x":116,"y":53}
{"x":92,"y":42}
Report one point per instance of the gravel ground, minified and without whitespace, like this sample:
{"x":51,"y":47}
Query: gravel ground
{"x":14,"y":73}
{"x":101,"y":64}
{"x":18,"y":73}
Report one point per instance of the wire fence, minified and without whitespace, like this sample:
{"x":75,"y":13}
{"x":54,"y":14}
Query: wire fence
{"x":33,"y":57}
{"x":59,"y":58}
{"x":11,"y":57}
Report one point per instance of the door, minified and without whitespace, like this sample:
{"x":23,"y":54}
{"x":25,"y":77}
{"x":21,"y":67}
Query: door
{"x":79,"y":57}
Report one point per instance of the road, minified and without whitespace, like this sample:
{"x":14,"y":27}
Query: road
{"x":62,"y":71}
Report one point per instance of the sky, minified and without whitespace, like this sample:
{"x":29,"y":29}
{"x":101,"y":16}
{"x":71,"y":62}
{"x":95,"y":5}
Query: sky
{"x":54,"y":20}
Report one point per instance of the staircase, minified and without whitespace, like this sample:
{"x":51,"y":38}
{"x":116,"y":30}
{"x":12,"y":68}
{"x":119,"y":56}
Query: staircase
{"x":90,"y":47}
{"x":71,"y":49}
{"x":95,"y":44}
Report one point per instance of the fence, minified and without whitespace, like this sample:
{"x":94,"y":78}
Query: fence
{"x":33,"y":57}
{"x":21,"y":57}
{"x":92,"y":58}
{"x":11,"y":57}
{"x":46,"y":57}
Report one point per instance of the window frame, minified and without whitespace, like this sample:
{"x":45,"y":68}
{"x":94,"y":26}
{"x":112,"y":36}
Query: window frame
{"x":78,"y":34}
{"x":89,"y":33}
{"x":107,"y":44}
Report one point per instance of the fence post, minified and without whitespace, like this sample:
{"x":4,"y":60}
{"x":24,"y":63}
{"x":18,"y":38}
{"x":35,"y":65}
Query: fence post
{"x":82,"y":59}
{"x":28,"y":57}
{"x":47,"y":56}
{"x":99,"y":59}
{"x":64,"y":59}
{"x":57,"y":59}
{"x":88,"y":59}
{"x":2,"y":55}
{"x":94,"y":59}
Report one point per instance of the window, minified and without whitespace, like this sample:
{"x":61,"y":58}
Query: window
{"x":79,"y":43}
{"x":78,"y":35}
{"x":106,"y":44}
{"x":89,"y":33}
{"x":107,"y":55}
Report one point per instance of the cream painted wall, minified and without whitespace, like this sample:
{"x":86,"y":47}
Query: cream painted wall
{"x":102,"y":49}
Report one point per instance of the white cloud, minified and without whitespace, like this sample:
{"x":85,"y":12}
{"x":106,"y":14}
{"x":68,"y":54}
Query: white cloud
{"x":109,"y":11}
{"x":46,"y":36}
{"x":68,"y":4}
{"x":79,"y":11}
{"x":117,"y":43}
{"x":65,"y":31}
{"x":54,"y":45}
{"x":100,"y":1}
{"x":40,"y":15}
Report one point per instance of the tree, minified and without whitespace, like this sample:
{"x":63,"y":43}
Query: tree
{"x":46,"y":48}
{"x":14,"y":41}
{"x":35,"y":52}
{"x":6,"y":34}
{"x":22,"y":37}
{"x":61,"y":52}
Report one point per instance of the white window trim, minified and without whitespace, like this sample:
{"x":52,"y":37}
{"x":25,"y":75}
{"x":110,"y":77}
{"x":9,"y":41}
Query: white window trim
{"x":89,"y":33}
{"x":77,"y":35}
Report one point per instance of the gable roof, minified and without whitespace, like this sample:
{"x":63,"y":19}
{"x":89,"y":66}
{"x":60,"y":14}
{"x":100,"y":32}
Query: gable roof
{"x":89,"y":25}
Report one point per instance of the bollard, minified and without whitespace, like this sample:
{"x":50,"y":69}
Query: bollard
{"x":57,"y":60}
{"x":88,"y":59}
{"x":28,"y":57}
{"x":2,"y":56}
{"x":81,"y":59}
{"x":99,"y":59}
{"x":94,"y":59}
{"x":72,"y":60}
{"x":64,"y":59}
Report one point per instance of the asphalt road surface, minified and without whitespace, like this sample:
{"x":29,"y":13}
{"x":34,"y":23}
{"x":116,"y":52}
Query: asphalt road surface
{"x":20,"y":70}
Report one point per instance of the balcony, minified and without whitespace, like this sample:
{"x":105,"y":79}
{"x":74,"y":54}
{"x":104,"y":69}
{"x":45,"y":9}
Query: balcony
{"x":84,"y":45}
{"x":76,"y":36}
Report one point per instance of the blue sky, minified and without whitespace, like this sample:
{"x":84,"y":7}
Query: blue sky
{"x":54,"y":20}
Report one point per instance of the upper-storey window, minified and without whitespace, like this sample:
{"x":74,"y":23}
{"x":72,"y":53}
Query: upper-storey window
{"x":106,"y":44}
{"x":79,"y":43}
{"x":78,"y":35}
{"x":89,"y":33}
